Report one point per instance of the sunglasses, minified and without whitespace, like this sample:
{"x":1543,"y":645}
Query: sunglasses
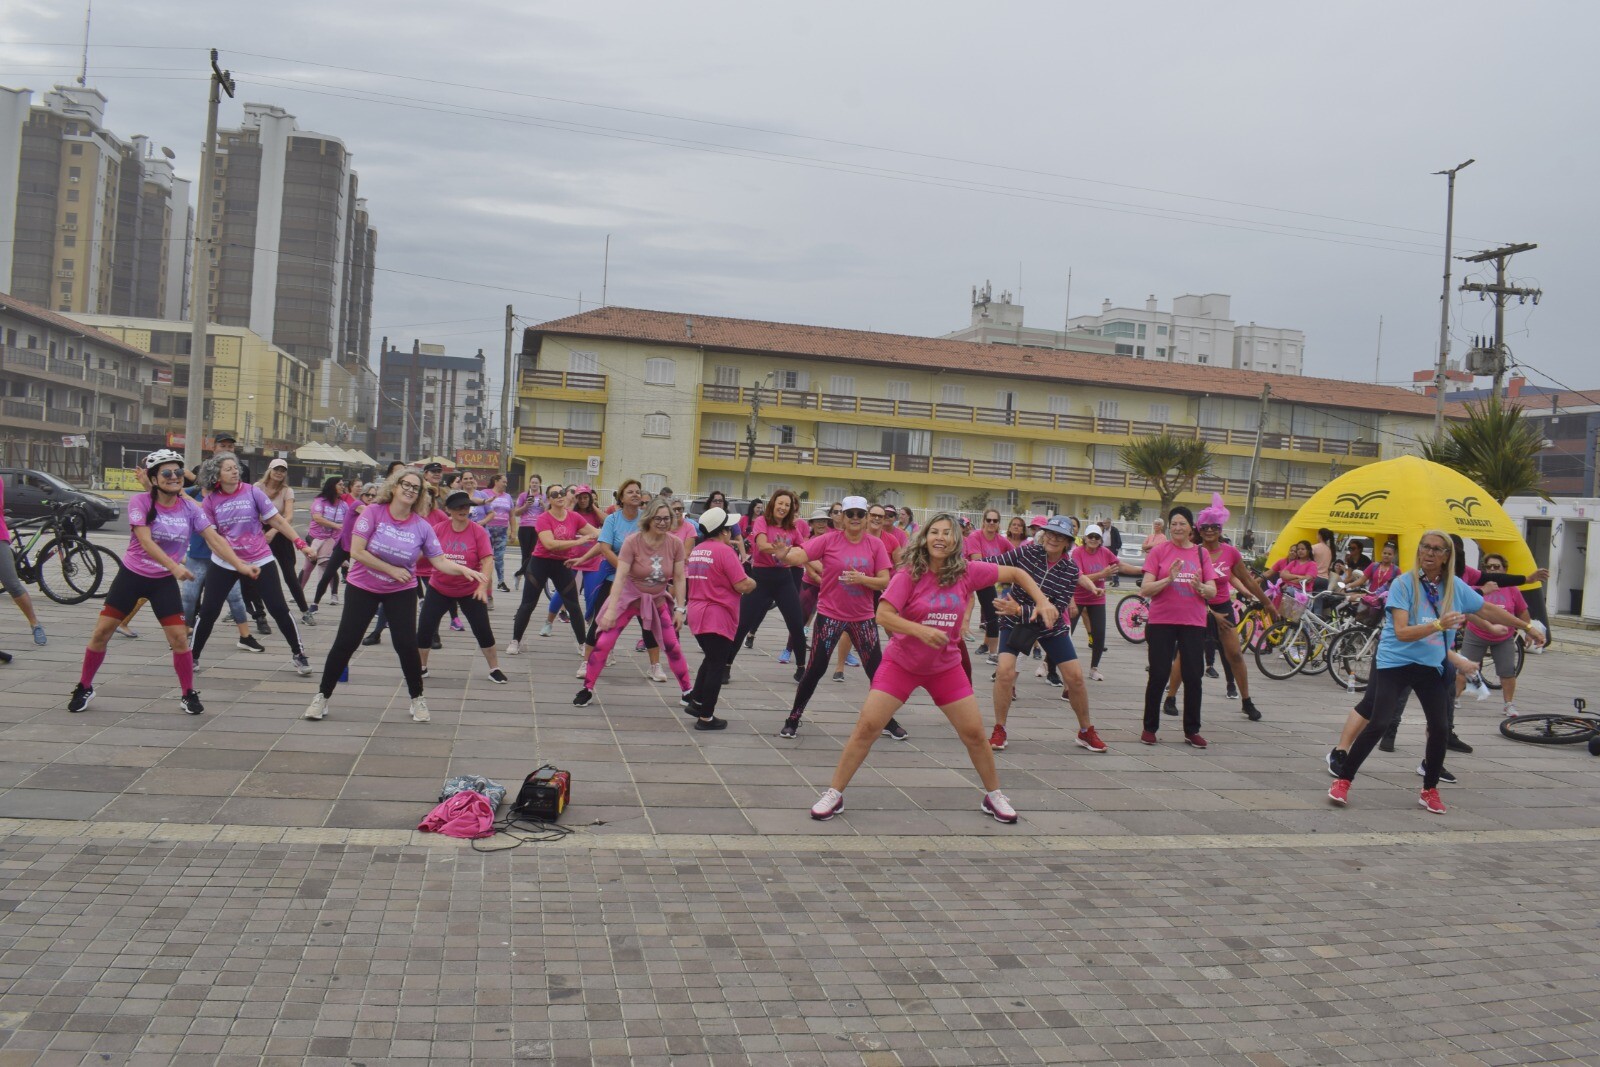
{"x":991,"y":522}
{"x":170,"y":472}
{"x":555,"y":491}
{"x":855,"y":513}
{"x":1209,"y":526}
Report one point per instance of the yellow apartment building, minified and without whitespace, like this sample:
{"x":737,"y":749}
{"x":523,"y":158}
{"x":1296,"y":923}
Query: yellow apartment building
{"x":256,"y":389}
{"x":931,"y":423}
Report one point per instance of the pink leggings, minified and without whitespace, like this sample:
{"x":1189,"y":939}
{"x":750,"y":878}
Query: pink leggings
{"x":665,"y":632}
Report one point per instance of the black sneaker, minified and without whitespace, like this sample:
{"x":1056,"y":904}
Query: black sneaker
{"x":1336,"y":758}
{"x":1170,"y":707}
{"x":750,"y":641}
{"x":1444,"y":776}
{"x":583,"y":698}
{"x":1211,"y":672}
{"x":896,"y":731}
{"x":503,"y":587}
{"x":435,"y":644}
{"x":838,"y":676}
{"x":81,"y":695}
{"x":1250,"y":710}
{"x":1386,"y":743}
{"x":262,"y":627}
{"x":373,"y":638}
{"x":190,"y":703}
{"x":1455,"y":744}
{"x":1233,"y":692}
{"x":498,"y":676}
{"x":248,"y":643}
{"x":1052,"y":678}
{"x":711,"y":722}
{"x":799,"y":671}
{"x":790,"y":726}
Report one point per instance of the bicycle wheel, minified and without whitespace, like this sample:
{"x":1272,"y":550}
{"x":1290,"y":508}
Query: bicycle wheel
{"x":1491,"y":673}
{"x":70,"y":572}
{"x":1316,"y":660}
{"x":1350,"y":659}
{"x":1133,"y":611}
{"x":1284,"y":650}
{"x":1562,"y":729}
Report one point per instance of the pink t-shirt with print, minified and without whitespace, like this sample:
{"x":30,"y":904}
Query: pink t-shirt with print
{"x":978,"y":546}
{"x":1091,"y":562}
{"x":777,"y":536}
{"x":170,"y":528}
{"x":939,"y":606}
{"x":1179,"y":604}
{"x":1223,"y":559}
{"x":468,"y":547}
{"x":847,"y":603}
{"x":396,"y":543}
{"x":710,"y":576}
{"x":238,"y":517}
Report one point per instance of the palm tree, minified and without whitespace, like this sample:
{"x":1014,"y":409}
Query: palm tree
{"x":1168,"y":464}
{"x":1495,"y":446}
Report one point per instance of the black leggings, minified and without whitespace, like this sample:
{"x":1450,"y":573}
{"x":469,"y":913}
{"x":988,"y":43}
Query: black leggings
{"x":527,"y":537}
{"x":330,"y":573}
{"x":1188,"y":643}
{"x":602,"y":593}
{"x":542,"y":569}
{"x":774,"y":585}
{"x":825,"y":634}
{"x":288,"y":568}
{"x":808,"y":610}
{"x":986,"y":612}
{"x":718,"y":652}
{"x":1388,"y":691}
{"x":268,"y":588}
{"x":359,"y":608}
{"x":1094,"y":620}
{"x":435,"y":604}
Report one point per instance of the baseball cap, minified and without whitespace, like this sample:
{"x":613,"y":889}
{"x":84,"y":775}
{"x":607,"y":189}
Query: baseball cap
{"x":853,"y":503}
{"x":1059,"y":524}
{"x":278,"y":464}
{"x":576,"y":489}
{"x":1094,"y":531}
{"x":431,"y":468}
{"x":1036,"y":523}
{"x":458,"y":499}
{"x":223,"y":435}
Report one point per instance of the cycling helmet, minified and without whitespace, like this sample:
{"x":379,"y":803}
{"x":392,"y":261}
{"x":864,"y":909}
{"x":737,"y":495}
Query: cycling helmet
{"x":160,"y":456}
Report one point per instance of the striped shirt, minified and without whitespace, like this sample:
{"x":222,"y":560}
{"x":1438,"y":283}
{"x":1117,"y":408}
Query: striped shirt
{"x":1057,"y":583}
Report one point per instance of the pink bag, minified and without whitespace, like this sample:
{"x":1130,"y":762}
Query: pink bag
{"x":464,"y":814}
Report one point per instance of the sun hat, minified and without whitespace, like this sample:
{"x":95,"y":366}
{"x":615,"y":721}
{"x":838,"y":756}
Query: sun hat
{"x":713,"y":521}
{"x":458,"y":499}
{"x":1059,"y":524}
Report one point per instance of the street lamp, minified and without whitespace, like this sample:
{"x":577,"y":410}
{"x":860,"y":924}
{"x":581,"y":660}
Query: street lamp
{"x":1444,"y":301}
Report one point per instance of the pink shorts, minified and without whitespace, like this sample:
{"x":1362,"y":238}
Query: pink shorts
{"x":945,"y":687}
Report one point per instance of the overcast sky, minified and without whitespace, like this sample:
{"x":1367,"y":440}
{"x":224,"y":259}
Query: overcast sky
{"x":863,"y":165}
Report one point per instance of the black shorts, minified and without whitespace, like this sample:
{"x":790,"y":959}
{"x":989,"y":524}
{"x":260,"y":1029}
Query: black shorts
{"x":129,"y":587}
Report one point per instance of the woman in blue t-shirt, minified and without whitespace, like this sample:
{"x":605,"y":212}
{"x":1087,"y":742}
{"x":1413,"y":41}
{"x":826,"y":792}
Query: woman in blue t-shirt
{"x":1425,"y":607}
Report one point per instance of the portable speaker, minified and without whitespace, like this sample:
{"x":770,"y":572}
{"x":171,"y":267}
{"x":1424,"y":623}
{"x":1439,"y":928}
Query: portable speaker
{"x":544,"y":794}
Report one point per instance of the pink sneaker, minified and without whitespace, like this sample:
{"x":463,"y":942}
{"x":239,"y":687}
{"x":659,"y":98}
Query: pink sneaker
{"x":1195,"y":740}
{"x":1148,"y":737}
{"x":997,"y":805}
{"x":1089,"y":739}
{"x":997,"y":739}
{"x":1339,"y":792}
{"x":1429,"y":798}
{"x":829,"y":804}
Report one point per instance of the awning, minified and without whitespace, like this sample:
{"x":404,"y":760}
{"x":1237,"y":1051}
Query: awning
{"x":359,"y":458}
{"x":317,"y":452}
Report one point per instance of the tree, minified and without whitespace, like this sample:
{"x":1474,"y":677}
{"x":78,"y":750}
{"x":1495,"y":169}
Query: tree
{"x":1495,"y":446}
{"x":1168,"y":464}
{"x":1130,"y":510}
{"x":865,"y":488}
{"x":978,"y":502}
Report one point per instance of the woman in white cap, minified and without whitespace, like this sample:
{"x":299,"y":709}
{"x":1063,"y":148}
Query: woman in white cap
{"x":275,"y":483}
{"x":468,"y":544}
{"x":715,"y":582}
{"x":923,"y":609}
{"x":1097,"y":563}
{"x":855,"y":565}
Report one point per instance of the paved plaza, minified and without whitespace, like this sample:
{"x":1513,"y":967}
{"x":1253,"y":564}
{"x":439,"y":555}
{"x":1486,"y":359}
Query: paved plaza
{"x":245,"y":886}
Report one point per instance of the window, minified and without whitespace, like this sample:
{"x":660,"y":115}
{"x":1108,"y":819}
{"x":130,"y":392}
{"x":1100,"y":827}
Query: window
{"x":1005,"y":452}
{"x":1005,"y":400}
{"x":783,"y":435}
{"x":658,"y":425}
{"x":832,"y":435}
{"x":1161,"y":353}
{"x":1118,"y":329}
{"x":1202,"y":358}
{"x":583,"y":362}
{"x":654,"y":483}
{"x":897,"y":390}
{"x":722,"y":430}
{"x":72,"y":218}
{"x":832,"y":493}
{"x":1141,"y":331}
{"x":583,"y":419}
{"x":791,"y":379}
{"x":1160,"y":412}
{"x":1106,"y":409}
{"x":1056,"y":404}
{"x":1055,"y":456}
{"x":842,"y":385}
{"x":950,"y":447}
{"x":720,"y":485}
{"x":728,"y":376}
{"x":1161,"y":331}
{"x":952,"y":394}
{"x":74,"y":173}
{"x":75,"y":150}
{"x":660,"y":371}
{"x":69,"y":241}
{"x":575,"y":476}
{"x":72,"y":196}
{"x":1138,"y":350}
{"x":907,"y":442}
{"x":1124,"y":350}
{"x":945,"y":502}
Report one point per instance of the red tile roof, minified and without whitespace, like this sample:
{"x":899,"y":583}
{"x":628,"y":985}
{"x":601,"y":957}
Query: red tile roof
{"x":891,"y":349}
{"x":64,"y":322}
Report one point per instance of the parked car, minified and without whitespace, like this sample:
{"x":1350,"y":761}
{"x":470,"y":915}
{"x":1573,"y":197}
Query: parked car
{"x":27,"y":491}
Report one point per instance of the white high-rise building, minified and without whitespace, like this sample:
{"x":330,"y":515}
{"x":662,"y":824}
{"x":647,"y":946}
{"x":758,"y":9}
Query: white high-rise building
{"x":1199,"y":330}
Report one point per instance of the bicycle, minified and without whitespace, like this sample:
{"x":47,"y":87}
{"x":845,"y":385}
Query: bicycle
{"x":1133,"y":612}
{"x":68,"y":568}
{"x":1300,"y":643}
{"x":1557,"y":729}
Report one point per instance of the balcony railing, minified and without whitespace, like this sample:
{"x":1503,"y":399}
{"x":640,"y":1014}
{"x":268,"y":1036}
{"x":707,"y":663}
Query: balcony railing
{"x":17,"y":409}
{"x":943,"y":466}
{"x":561,"y":379}
{"x":834,"y":403}
{"x":63,"y":417}
{"x":550,"y":437}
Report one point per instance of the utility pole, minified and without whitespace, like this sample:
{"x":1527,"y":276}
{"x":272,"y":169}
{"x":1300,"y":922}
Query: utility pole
{"x":750,"y":435}
{"x":1377,"y":362}
{"x":1501,"y":292}
{"x":200,"y":310}
{"x":507,"y":386}
{"x":1255,"y":460}
{"x":1444,"y":299}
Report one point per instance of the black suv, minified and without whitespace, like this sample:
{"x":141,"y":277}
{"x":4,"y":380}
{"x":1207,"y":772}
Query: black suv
{"x":28,"y":490}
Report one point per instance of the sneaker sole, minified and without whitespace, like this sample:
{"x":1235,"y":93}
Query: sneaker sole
{"x":997,"y":817}
{"x":1340,"y":801}
{"x":997,"y":748}
{"x":1081,"y":743}
{"x":1142,"y":741}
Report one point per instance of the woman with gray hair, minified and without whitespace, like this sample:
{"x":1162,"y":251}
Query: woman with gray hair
{"x":240,"y":512}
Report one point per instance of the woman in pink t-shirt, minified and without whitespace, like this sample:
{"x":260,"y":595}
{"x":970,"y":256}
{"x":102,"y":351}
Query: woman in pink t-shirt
{"x":715,"y":581}
{"x":648,"y":583}
{"x":987,"y":542}
{"x":923,"y":609}
{"x":563,"y":536}
{"x":1179,"y":579}
{"x":772,"y":532}
{"x":1095,"y":562}
{"x":1297,"y":567}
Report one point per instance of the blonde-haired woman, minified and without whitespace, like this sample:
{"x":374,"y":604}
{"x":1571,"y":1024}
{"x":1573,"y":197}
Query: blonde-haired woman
{"x":385,"y":544}
{"x":275,"y":483}
{"x":922,"y":609}
{"x":1424,"y":610}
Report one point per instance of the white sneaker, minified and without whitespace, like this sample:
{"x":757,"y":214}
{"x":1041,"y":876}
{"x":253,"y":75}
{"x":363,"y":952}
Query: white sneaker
{"x":513,"y":649}
{"x":828,"y":805}
{"x":333,"y":598}
{"x":1038,"y":672}
{"x":582,"y":671}
{"x":997,"y":805}
{"x":544,"y":631}
{"x":419,"y":710}
{"x":658,"y":673}
{"x":317,"y":709}
{"x":1096,"y":676}
{"x":1510,"y":711}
